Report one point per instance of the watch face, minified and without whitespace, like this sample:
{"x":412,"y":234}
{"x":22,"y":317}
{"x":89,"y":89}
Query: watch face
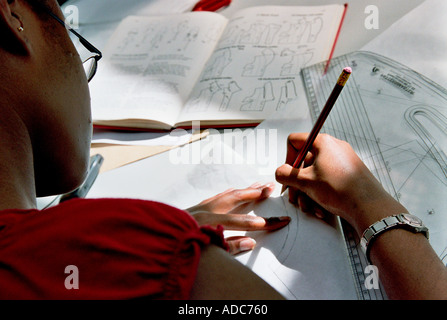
{"x":412,"y":219}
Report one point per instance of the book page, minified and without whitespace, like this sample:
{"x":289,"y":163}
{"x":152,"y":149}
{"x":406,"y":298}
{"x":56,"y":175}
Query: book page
{"x":253,"y":71}
{"x":150,"y":65}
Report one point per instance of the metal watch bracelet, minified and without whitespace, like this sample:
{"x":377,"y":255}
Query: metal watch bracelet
{"x":403,"y":220}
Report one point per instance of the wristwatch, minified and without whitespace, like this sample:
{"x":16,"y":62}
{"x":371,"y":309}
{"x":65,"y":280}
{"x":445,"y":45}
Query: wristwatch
{"x":403,"y":220}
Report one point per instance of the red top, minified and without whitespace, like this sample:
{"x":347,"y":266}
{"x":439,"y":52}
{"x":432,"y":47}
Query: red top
{"x":120,"y":248}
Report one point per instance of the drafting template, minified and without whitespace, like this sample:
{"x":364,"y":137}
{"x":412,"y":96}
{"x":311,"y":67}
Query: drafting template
{"x":396,"y":120}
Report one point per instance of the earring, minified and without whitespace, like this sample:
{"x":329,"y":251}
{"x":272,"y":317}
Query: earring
{"x":20,"y":29}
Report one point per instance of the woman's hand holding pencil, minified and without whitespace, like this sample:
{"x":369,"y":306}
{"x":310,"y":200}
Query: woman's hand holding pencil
{"x":334,"y":180}
{"x":325,"y":176}
{"x":344,"y":76}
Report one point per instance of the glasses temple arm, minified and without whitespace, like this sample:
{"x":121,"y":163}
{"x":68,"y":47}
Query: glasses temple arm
{"x":87,"y":44}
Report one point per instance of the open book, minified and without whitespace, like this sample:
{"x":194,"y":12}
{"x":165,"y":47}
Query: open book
{"x":166,"y":72}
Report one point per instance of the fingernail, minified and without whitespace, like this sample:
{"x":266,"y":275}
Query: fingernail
{"x":273,"y":221}
{"x":319,"y":213}
{"x":256,"y":185}
{"x":266,"y":190}
{"x":269,"y":185}
{"x":247,"y":244}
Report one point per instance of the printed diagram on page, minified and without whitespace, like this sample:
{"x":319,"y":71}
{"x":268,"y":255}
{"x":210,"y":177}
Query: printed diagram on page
{"x":263,"y":58}
{"x":181,"y":36}
{"x":162,"y":72}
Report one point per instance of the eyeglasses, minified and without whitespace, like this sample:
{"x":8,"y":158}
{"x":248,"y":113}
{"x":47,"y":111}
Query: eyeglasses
{"x":91,"y":63}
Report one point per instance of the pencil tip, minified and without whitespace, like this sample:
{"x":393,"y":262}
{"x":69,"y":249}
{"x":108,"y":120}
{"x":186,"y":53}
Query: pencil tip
{"x":283,"y":189}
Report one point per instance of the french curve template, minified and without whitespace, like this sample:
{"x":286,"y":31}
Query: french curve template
{"x":396,"y":120}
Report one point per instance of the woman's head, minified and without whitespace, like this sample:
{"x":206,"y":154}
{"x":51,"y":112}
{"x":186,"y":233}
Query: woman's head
{"x":46,"y":89}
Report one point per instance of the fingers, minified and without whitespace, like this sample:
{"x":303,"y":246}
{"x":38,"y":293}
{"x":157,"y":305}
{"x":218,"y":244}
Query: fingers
{"x":295,"y":142}
{"x":241,"y":200}
{"x":240,"y":244}
{"x":234,"y":200}
{"x":217,"y":196}
{"x":241,"y":222}
{"x":294,"y":177}
{"x":287,"y":175}
{"x":255,"y":192}
{"x":307,"y":205}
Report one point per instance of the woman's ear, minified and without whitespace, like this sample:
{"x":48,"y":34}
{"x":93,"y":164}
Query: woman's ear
{"x":12,"y":28}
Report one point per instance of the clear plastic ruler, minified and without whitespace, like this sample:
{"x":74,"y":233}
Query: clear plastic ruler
{"x":396,"y":121}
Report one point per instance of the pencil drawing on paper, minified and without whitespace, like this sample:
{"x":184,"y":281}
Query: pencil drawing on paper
{"x":281,"y":244}
{"x":286,"y":238}
{"x":288,"y":257}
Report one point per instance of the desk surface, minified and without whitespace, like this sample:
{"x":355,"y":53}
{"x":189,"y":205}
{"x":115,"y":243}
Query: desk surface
{"x":156,"y":177}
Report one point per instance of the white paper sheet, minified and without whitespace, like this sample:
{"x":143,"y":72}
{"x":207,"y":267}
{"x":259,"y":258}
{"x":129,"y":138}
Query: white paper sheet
{"x":418,"y":40}
{"x":305,"y":260}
